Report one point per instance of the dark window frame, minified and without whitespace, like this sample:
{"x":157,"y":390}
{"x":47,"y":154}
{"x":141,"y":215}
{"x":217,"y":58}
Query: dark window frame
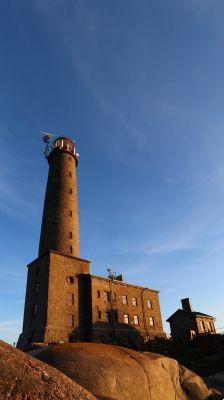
{"x":36,"y":287}
{"x":106,"y":296}
{"x":108,"y":317}
{"x":35,"y":310}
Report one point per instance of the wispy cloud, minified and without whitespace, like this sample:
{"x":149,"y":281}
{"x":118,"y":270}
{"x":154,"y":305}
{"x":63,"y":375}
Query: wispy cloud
{"x":93,"y":78}
{"x":172,"y":245}
{"x":10,"y":325}
{"x":142,"y":266}
{"x":10,"y":330}
{"x":176,"y":238}
{"x":92,"y":216}
{"x":11,"y":202}
{"x":107,"y":106}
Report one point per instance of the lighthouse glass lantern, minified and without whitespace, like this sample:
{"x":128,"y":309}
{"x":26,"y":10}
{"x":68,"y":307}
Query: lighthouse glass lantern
{"x":65,"y":144}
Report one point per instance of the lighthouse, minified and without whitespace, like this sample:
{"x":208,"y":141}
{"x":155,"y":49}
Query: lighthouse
{"x":60,"y":226}
{"x":57,"y":304}
{"x":64,"y":302}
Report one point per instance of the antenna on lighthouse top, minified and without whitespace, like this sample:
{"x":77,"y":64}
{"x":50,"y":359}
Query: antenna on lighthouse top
{"x":47,"y":140}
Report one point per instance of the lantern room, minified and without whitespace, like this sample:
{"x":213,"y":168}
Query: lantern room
{"x":65,"y":144}
{"x":60,"y":144}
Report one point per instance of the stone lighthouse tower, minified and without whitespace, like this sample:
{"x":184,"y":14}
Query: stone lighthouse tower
{"x":58,"y":282}
{"x":60,"y":230}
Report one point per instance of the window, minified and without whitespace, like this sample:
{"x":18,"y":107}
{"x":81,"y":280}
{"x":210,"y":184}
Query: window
{"x":70,"y":191}
{"x":107,"y":296}
{"x":99,"y":314}
{"x":134,"y":301}
{"x":36,"y":287}
{"x":70,"y":299}
{"x":59,"y":143}
{"x":35,"y":310}
{"x":149,"y":303}
{"x":151,"y":321}
{"x":71,"y":249}
{"x":70,"y":213}
{"x":136,"y":320}
{"x":98,"y":294}
{"x":108,"y":317}
{"x":202,"y":326}
{"x":70,"y":174}
{"x":126,"y":319}
{"x":70,"y":235}
{"x":125,"y":299}
{"x":115,"y":297}
{"x":70,"y":279}
{"x":70,"y":320}
{"x":192,"y":334}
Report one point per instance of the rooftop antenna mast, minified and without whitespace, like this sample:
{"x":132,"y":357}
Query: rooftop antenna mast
{"x":47,"y":136}
{"x":111,"y":273}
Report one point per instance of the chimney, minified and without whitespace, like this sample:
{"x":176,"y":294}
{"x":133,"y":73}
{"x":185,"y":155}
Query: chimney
{"x":186,"y":305}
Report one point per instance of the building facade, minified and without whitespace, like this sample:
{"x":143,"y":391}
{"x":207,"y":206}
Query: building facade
{"x":64,"y":302}
{"x":124,"y":313}
{"x":185,"y":323}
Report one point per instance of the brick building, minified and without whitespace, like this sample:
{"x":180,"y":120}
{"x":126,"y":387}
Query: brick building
{"x":64,"y":302}
{"x":186,"y":323}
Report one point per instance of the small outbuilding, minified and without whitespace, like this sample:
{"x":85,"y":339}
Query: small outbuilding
{"x":186,"y":323}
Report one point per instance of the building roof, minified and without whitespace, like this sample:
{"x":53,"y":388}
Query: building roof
{"x":200,"y":314}
{"x":192,"y":313}
{"x":124,"y":283}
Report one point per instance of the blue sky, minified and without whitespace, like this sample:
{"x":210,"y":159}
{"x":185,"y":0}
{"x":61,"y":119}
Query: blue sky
{"x":139,"y":85}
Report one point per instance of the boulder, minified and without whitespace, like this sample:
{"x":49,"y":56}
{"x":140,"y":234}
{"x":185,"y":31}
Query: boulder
{"x":192,"y":384}
{"x":22,"y":377}
{"x":116,"y":373}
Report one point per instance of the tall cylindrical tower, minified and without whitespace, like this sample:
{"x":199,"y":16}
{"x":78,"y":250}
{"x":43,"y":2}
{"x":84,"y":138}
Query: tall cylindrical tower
{"x":60,"y":227}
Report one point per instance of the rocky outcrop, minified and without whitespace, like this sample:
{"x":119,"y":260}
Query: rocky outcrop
{"x":117,"y":373}
{"x":107,"y":371}
{"x":22,"y":377}
{"x":186,"y":384}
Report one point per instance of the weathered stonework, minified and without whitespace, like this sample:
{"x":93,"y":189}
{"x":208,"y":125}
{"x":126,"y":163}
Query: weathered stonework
{"x":60,"y":226}
{"x":57,"y":276}
{"x":142,"y":303}
{"x":63,"y":301}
